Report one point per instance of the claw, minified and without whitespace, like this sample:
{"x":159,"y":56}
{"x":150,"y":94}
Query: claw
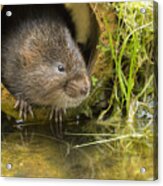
{"x":64,"y":111}
{"x":23,"y":108}
{"x":51,"y":113}
{"x":57,"y":114}
{"x":25,"y":111}
{"x":60,"y":116}
{"x":30,"y":111}
{"x":17,"y":104}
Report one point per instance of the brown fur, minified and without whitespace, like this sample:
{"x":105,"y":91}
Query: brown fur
{"x":31,"y":54}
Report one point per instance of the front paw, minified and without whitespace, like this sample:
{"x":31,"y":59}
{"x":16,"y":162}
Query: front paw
{"x":57,"y":114}
{"x":24,"y":108}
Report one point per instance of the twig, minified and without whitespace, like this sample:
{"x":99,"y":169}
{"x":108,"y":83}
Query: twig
{"x":88,"y":134}
{"x":135,"y":135}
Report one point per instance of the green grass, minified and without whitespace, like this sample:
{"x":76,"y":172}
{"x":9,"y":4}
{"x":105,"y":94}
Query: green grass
{"x":130,"y":50}
{"x":125,"y":99}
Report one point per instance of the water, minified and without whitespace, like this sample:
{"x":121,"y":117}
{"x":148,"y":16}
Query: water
{"x":35,"y":151}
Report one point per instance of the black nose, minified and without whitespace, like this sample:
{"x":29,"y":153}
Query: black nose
{"x":84,"y":91}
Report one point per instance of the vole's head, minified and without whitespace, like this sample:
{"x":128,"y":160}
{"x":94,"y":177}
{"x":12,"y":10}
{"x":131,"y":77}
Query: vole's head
{"x":72,"y":84}
{"x":59,"y":70}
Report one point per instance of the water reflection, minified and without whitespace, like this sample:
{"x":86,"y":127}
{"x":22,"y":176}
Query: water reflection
{"x":34,"y":151}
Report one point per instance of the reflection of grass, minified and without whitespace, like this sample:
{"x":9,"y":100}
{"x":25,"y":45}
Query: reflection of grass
{"x":51,"y":154}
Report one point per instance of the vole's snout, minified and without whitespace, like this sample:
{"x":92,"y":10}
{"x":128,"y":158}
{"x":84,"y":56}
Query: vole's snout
{"x":84,"y":90}
{"x":84,"y":85}
{"x":79,"y":86}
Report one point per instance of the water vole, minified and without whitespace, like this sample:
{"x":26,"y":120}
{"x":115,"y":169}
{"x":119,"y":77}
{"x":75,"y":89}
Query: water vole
{"x":41,"y":63}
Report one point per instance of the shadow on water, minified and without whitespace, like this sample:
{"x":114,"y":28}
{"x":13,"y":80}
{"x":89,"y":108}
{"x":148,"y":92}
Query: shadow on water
{"x":32,"y":150}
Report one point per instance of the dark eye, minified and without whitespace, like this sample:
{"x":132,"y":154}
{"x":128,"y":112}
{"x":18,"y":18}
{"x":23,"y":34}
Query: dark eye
{"x":61,"y":68}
